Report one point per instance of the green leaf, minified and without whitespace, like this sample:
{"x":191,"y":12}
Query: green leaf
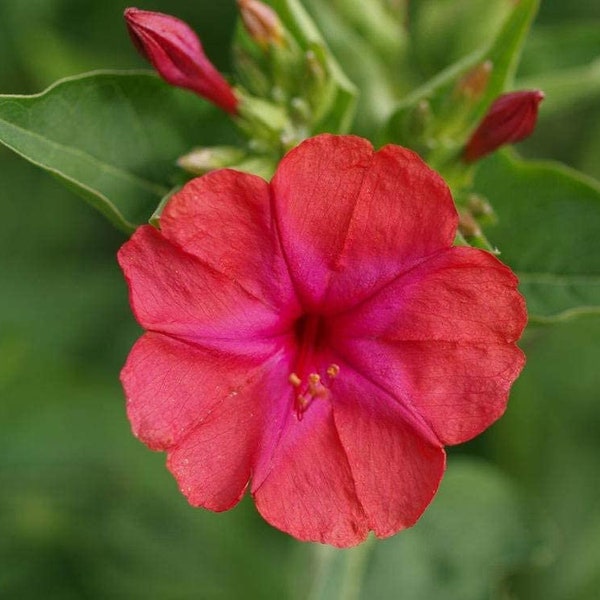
{"x":590,"y":151}
{"x":567,"y":128}
{"x":566,"y":87}
{"x":468,"y":541}
{"x":569,"y":76}
{"x":549,"y":441}
{"x":112,"y":137}
{"x":579,"y":42}
{"x":547,"y":231}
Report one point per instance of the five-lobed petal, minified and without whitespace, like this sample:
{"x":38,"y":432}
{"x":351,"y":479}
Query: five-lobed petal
{"x":318,"y":337}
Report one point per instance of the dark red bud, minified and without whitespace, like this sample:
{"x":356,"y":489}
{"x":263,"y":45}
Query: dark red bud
{"x":511,"y":118}
{"x":176,"y":53}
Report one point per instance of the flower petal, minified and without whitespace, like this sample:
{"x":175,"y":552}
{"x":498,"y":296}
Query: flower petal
{"x":441,"y":338}
{"x":224,"y":218}
{"x":175,"y":293}
{"x":309,"y":492}
{"x":214,"y":462}
{"x":458,"y":389}
{"x":462,"y":295}
{"x":351,"y":219}
{"x":212,"y":465}
{"x":395,"y":469}
{"x":171,"y":386}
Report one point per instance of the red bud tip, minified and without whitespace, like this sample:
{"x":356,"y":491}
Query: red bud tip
{"x":175,"y":51}
{"x":261,"y":22}
{"x":511,"y":118}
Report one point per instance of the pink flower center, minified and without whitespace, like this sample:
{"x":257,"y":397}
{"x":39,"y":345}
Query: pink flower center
{"x":309,"y":378}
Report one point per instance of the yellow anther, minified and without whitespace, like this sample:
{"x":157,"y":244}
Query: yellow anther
{"x":311,"y":388}
{"x":333,"y":371}
{"x":302,"y":400}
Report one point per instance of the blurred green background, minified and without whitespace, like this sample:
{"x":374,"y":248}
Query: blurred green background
{"x":87,"y":512}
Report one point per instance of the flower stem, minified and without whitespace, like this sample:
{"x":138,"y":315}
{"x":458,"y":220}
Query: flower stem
{"x":339,"y":574}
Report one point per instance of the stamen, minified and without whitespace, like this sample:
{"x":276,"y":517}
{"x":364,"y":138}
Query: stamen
{"x":310,"y":378}
{"x":302,"y":400}
{"x":333,"y":370}
{"x":313,"y":390}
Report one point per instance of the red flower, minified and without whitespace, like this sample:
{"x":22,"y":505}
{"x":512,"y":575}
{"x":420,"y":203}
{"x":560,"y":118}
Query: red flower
{"x":176,"y":53}
{"x":319,"y":335}
{"x":511,"y":118}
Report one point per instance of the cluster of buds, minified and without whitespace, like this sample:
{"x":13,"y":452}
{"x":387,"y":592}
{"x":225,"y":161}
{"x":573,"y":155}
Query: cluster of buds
{"x":288,"y":88}
{"x":282,"y":89}
{"x":285,"y":91}
{"x":435,"y":125}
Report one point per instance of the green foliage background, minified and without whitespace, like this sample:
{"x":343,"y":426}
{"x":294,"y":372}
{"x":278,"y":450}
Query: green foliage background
{"x":87,"y":512}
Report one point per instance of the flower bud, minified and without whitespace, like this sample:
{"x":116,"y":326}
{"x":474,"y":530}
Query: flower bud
{"x":467,"y":224}
{"x":203,"y":160}
{"x":176,"y":53}
{"x":480,"y":208}
{"x":511,"y":118}
{"x":472,"y":85}
{"x":263,"y":121}
{"x":261,"y":23}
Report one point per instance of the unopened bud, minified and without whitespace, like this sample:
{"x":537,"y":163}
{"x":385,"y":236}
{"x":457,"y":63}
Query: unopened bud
{"x":202,"y":160}
{"x":261,"y":23}
{"x":262,"y":120}
{"x":176,"y":53}
{"x":511,"y":118}
{"x":472,"y":85}
{"x":467,"y":225}
{"x":262,"y":166}
{"x":480,"y":208}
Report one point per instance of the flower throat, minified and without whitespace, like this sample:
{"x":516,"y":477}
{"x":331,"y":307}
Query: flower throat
{"x":310,"y":385}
